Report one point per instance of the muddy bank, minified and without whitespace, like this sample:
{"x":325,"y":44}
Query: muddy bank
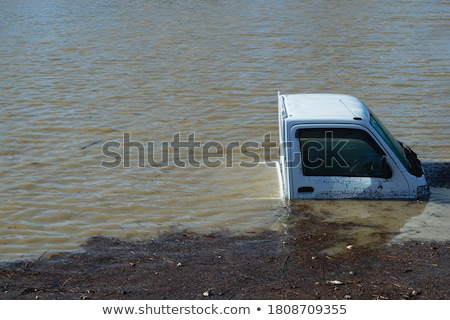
{"x":270,"y":265}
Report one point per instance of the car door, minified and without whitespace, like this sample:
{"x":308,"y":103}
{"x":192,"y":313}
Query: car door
{"x":344,"y":163}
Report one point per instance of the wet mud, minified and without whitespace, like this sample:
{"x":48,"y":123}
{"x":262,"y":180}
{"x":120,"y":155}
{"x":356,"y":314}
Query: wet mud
{"x":270,"y":265}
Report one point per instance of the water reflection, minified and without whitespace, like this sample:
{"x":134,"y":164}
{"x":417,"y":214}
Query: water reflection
{"x":357,"y":223}
{"x":354,"y":223}
{"x":433,"y":223}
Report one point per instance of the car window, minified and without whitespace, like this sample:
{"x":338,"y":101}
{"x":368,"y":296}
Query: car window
{"x":340,"y":152}
{"x":391,"y":141}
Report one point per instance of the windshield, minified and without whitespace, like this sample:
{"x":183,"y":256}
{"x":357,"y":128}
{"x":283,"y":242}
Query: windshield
{"x":391,"y":141}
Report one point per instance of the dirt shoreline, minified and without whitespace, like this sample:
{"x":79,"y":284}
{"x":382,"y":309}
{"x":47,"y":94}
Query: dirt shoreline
{"x":268,"y":265}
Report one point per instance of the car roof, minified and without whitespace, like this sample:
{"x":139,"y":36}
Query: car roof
{"x":325,"y":106}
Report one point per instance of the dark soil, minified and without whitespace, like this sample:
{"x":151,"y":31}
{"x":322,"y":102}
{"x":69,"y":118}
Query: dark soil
{"x":268,"y":265}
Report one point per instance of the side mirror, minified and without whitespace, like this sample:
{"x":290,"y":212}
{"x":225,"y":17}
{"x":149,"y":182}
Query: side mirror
{"x":386,"y":171}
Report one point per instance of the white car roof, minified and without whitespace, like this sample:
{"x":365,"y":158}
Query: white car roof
{"x":325,"y":107}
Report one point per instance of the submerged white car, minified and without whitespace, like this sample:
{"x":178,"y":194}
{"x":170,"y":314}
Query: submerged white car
{"x":332,"y":146}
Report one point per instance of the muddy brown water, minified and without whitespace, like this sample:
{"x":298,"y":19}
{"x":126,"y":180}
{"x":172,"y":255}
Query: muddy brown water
{"x":76,"y":75}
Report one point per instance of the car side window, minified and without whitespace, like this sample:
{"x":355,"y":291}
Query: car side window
{"x":341,"y":152}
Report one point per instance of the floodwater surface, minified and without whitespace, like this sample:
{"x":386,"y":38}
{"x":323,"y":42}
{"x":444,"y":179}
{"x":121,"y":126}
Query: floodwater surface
{"x":79,"y":76}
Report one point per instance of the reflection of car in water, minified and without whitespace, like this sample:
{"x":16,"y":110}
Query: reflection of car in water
{"x":333,"y":146}
{"x":356,"y":223}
